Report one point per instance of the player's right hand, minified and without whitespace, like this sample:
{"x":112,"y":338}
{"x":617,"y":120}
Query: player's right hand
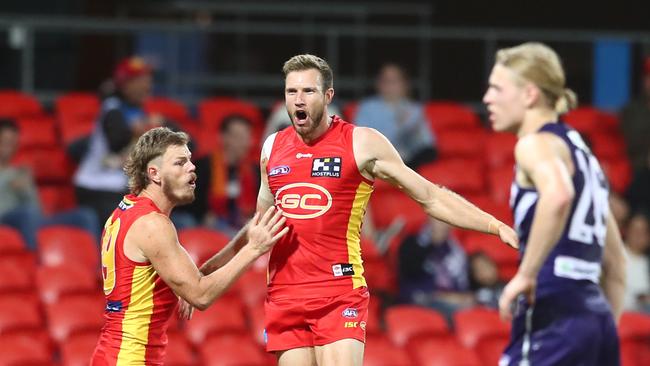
{"x":509,"y":236}
{"x":264,"y":231}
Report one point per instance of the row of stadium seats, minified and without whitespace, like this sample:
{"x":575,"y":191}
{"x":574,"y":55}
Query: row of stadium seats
{"x":54,"y":299}
{"x":412,"y":335}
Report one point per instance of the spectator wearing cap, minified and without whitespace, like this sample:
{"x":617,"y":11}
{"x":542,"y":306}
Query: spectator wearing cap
{"x":99,"y":181}
{"x":635,"y":122}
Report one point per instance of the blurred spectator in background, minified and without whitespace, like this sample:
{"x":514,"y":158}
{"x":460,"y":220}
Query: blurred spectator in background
{"x":228,"y":180}
{"x":635,"y":122}
{"x":637,"y":240}
{"x":400,"y":119}
{"x":19,"y":201}
{"x":638,"y":193}
{"x":433,"y":270}
{"x":484,"y":280}
{"x":280,"y":119}
{"x":99,"y":180}
{"x":619,"y":208}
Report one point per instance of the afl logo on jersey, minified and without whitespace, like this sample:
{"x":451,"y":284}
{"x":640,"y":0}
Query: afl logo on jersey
{"x":303,"y":200}
{"x":280,"y":170}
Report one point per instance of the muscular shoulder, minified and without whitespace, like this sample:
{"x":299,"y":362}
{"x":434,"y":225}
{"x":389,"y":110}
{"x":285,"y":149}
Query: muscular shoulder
{"x":150,"y":229}
{"x":539,"y":147}
{"x":540,"y":144}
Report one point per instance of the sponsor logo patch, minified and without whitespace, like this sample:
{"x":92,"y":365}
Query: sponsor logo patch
{"x":279,"y":170}
{"x":351,"y":324}
{"x":326,"y":167}
{"x":303,"y":200}
{"x":301,"y":155}
{"x":350,"y":313}
{"x":342,"y":269}
{"x":114,"y":306}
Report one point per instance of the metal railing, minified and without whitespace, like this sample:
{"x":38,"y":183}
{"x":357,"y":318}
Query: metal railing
{"x":22,"y":31}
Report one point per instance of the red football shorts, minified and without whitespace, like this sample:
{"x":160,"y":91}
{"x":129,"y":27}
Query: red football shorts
{"x":295,"y":323}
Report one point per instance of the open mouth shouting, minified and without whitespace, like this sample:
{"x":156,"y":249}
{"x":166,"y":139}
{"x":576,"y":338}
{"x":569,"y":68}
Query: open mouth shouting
{"x":300,"y":117}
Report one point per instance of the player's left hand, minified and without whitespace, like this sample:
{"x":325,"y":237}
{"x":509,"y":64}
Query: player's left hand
{"x":508,"y":236}
{"x":185,"y":310}
{"x":520,"y":284}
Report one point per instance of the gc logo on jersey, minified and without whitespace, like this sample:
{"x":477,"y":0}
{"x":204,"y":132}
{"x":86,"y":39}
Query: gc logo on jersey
{"x":326,"y":167}
{"x":303,"y":200}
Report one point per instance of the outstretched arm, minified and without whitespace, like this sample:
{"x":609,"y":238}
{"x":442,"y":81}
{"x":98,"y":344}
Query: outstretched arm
{"x":377,"y":157}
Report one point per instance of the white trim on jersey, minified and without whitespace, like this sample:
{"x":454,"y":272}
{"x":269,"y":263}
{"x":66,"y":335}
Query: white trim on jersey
{"x":268,"y":146}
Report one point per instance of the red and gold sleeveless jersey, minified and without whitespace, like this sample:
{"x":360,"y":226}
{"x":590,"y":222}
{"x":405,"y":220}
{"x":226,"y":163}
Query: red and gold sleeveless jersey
{"x":324,"y":197}
{"x":138,"y":302}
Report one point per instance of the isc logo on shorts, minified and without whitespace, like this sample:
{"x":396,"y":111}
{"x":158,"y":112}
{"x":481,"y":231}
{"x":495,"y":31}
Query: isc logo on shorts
{"x":350,"y":313}
{"x":351,"y":324}
{"x":303,"y":200}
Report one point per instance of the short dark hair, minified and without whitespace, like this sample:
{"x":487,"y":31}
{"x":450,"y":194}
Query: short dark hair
{"x":8,"y":124}
{"x":230,"y":119}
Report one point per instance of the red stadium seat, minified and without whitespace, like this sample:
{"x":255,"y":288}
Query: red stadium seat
{"x":179,"y":352}
{"x":490,"y":349}
{"x":17,"y":273}
{"x":231,"y":350}
{"x":60,"y":245}
{"x":500,"y":180}
{"x":77,"y":350}
{"x":462,"y":176}
{"x":11,"y":242}
{"x":169,"y":108}
{"x":619,"y":173}
{"x":76,"y":114}
{"x":48,"y":165}
{"x":78,"y":105}
{"x":492,"y":246}
{"x":252,"y":288}
{"x":56,"y":198}
{"x":442,"y":351}
{"x":37,"y":132}
{"x":350,"y":111}
{"x":15,"y":105}
{"x":379,"y":275}
{"x":467,"y":144}
{"x":381,"y":352}
{"x":406,"y":322}
{"x":588,"y":120}
{"x":24,"y":349}
{"x":387,"y":206}
{"x":224,"y":316}
{"x":474,"y":325}
{"x":608,"y":146}
{"x":65,"y":279}
{"x":202,"y":243}
{"x":500,"y":150}
{"x":213,"y":111}
{"x":634,"y":326}
{"x":16,"y":314}
{"x":444,"y":116}
{"x":75,"y":315}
